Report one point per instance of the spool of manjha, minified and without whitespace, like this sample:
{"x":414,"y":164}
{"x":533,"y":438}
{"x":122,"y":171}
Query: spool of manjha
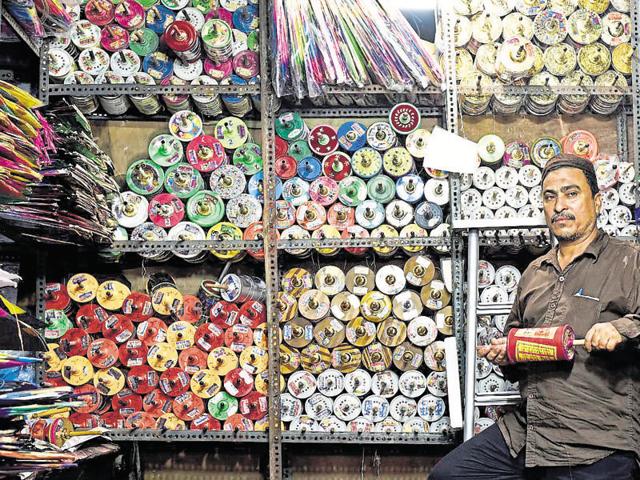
{"x":546,"y":344}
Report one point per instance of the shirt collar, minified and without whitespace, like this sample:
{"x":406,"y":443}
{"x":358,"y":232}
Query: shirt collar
{"x":593,"y":250}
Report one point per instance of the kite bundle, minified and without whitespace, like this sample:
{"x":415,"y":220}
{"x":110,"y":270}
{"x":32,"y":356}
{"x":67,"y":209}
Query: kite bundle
{"x":55,"y":182}
{"x":320,"y":43}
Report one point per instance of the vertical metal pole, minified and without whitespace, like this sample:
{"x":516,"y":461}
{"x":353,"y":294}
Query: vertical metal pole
{"x":270,"y":247}
{"x":621,"y":125}
{"x":470,"y":361}
{"x":43,"y":73}
{"x":635,"y":99}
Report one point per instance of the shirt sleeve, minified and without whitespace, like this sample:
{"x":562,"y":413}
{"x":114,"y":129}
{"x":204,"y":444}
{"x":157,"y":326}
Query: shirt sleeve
{"x":514,"y":372}
{"x":629,"y":325}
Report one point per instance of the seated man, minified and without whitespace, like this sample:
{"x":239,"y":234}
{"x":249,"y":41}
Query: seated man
{"x":578,"y":420}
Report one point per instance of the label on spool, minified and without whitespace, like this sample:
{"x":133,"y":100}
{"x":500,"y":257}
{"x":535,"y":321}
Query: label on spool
{"x":431,"y":408}
{"x":323,"y":140}
{"x":352,"y":191}
{"x":412,"y":384}
{"x":337,"y":166}
{"x":352,"y":136}
{"x":185,"y":125}
{"x":248,"y":158}
{"x":114,"y":38}
{"x":404,"y":118}
{"x":152,"y":331}
{"x":232,"y":132}
{"x":118,"y":328}
{"x":540,"y":344}
{"x":227,"y":181}
{"x":130,"y":14}
{"x":156,"y":403}
{"x":381,"y":136}
{"x":397,"y":162}
{"x":246,"y":64}
{"x":375,"y":408}
{"x":324,"y":191}
{"x":143,"y":41}
{"x":142,"y":379}
{"x":417,"y":141}
{"x":90,"y":317}
{"x":516,"y":155}
{"x":580,"y":143}
{"x":94,"y":61}
{"x":84,"y":35}
{"x":366,"y":162}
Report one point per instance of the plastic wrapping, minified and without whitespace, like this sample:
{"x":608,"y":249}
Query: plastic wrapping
{"x":320,"y":43}
{"x":40,"y":17}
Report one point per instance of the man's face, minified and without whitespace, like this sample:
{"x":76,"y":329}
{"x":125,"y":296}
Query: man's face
{"x":569,"y":207}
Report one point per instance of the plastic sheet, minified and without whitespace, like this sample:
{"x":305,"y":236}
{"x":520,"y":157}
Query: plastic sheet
{"x":349,"y":43}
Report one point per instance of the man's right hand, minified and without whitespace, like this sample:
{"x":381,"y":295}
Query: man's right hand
{"x":496,"y":352}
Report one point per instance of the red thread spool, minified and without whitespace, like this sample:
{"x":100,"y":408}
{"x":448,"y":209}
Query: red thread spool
{"x":541,"y":344}
{"x":182,"y":38}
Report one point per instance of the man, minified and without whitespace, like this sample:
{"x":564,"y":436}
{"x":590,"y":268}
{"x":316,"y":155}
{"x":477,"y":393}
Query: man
{"x":578,"y":420}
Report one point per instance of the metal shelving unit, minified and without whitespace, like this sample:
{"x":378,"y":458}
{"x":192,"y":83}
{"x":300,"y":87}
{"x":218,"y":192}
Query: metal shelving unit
{"x":145,"y":435}
{"x":368,"y":438}
{"x":170,"y":246}
{"x":545,"y":90}
{"x":464,"y":240}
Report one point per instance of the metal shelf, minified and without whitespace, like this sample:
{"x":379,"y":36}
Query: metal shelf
{"x":135,"y":89}
{"x":355,"y":111}
{"x":368,"y":438}
{"x":499,"y":223}
{"x":33,"y":43}
{"x":497,"y":399}
{"x":136,"y":435}
{"x":493,"y":308}
{"x":515,"y":241}
{"x":162,"y":116}
{"x":380,"y":90}
{"x":545,"y":90}
{"x":170,"y":246}
{"x":365,"y":242}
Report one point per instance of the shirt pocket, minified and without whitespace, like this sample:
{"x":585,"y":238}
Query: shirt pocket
{"x":582,"y":314}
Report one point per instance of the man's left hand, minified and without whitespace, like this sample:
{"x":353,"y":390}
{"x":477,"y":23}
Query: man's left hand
{"x":602,"y":336}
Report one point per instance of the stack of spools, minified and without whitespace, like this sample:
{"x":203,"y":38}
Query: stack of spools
{"x":508,"y":184}
{"x":173,"y":42}
{"x":357,"y":181}
{"x":496,"y":285}
{"x":192,"y":182}
{"x":160,"y":359}
{"x":362,"y":349}
{"x":542,"y":43}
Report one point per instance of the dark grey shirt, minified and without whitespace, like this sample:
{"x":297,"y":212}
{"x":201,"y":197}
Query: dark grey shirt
{"x":578,"y":412}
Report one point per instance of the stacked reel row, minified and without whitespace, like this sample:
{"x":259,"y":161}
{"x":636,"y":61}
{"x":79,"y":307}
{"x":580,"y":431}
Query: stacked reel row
{"x":160,"y":359}
{"x":178,"y":42}
{"x":357,"y":181}
{"x":362,"y":350}
{"x":508,"y":184}
{"x":543,"y":43}
{"x":194,"y":182}
{"x":497,"y":285}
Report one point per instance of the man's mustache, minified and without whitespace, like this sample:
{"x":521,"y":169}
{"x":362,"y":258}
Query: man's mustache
{"x":562,"y":216}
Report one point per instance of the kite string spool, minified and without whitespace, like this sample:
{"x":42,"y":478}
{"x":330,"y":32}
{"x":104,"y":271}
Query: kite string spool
{"x":542,"y":344}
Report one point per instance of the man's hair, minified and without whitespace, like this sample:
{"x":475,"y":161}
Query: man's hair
{"x":573,"y":161}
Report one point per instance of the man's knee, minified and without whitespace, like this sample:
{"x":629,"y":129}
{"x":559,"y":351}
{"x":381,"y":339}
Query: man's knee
{"x":444,"y":470}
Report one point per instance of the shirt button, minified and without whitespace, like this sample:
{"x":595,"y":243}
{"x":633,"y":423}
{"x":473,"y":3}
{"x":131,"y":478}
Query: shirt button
{"x":531,"y":427}
{"x":532,"y":395}
{"x":561,"y":278}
